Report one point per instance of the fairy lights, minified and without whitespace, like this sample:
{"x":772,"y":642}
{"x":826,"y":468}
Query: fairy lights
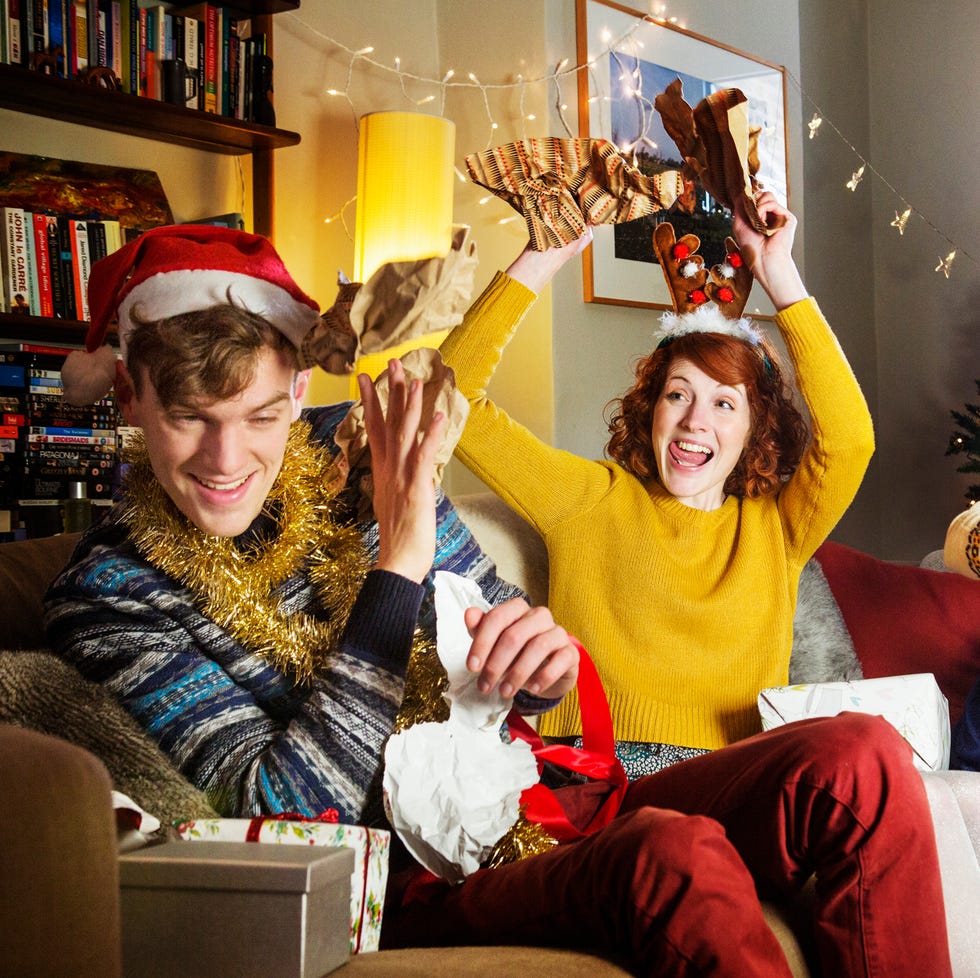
{"x":625,"y":46}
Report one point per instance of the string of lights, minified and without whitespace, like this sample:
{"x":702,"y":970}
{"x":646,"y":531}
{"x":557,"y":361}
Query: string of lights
{"x":438,"y":89}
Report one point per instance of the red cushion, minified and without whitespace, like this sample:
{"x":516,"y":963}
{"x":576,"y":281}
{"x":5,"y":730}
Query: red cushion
{"x":905,"y":619}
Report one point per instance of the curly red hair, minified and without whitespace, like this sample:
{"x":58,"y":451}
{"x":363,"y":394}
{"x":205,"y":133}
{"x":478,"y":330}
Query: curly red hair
{"x":778,"y":435}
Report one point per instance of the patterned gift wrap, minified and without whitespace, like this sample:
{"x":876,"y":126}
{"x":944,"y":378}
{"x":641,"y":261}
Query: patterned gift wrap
{"x":914,"y":705}
{"x":371,"y":847}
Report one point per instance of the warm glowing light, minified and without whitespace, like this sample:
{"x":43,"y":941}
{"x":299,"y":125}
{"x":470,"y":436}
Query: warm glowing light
{"x":855,"y":178}
{"x":814,"y":124}
{"x":901,"y":220}
{"x":945,"y":264}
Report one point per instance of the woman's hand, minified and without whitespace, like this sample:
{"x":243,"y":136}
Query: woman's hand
{"x":517,"y":647}
{"x":403,"y":471}
{"x":770,"y":256}
{"x":535,"y":269}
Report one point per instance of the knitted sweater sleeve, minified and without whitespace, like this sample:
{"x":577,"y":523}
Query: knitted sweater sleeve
{"x":237,"y":728}
{"x":842,"y":441}
{"x":543,"y":484}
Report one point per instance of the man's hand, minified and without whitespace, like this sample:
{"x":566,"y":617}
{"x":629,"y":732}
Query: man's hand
{"x":517,"y":647}
{"x":403,"y":469}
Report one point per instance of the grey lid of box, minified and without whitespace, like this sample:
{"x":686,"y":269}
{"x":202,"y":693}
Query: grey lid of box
{"x":235,"y":866}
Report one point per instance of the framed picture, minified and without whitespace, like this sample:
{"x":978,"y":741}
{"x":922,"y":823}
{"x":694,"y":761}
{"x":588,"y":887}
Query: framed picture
{"x":631,"y":59}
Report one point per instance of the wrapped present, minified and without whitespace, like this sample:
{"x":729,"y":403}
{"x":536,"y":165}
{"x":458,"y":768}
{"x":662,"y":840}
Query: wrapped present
{"x":913,"y":704}
{"x":371,"y":848}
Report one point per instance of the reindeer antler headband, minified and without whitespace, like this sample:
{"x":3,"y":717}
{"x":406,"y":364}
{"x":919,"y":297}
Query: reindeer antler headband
{"x":704,"y":300}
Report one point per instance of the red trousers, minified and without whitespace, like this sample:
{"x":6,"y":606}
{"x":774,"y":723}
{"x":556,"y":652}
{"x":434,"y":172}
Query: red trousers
{"x":671,"y":884}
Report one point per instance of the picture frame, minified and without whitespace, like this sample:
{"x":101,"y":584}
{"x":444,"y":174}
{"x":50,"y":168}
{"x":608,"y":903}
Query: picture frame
{"x":631,"y":58}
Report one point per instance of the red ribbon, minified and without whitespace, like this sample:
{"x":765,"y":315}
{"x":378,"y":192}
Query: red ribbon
{"x":596,"y":759}
{"x":255,"y":824}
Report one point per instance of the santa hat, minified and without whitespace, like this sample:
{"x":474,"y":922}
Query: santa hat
{"x":177,"y":269}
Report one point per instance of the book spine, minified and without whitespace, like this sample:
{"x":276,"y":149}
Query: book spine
{"x":56,"y":36}
{"x":15,"y":54}
{"x":211,"y":59}
{"x":191,"y":41}
{"x":98,"y":246}
{"x":15,"y":260}
{"x":143,"y":43}
{"x":66,"y":267}
{"x":42,"y":251}
{"x":115,"y":30}
{"x":82,"y":264}
{"x":34,"y":295}
{"x":80,"y":35}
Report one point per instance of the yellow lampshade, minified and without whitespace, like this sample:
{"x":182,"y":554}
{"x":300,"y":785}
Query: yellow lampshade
{"x":404,"y":189}
{"x":404,"y":204}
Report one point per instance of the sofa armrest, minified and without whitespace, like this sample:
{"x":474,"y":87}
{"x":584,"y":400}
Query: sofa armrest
{"x":59,"y":889}
{"x":954,"y":799}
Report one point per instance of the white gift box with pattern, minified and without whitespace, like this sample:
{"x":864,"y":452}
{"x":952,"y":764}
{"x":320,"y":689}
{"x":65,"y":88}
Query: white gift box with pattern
{"x":913,"y":704}
{"x":371,"y":848}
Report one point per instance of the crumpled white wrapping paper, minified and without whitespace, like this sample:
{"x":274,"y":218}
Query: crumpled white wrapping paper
{"x":453,"y":789}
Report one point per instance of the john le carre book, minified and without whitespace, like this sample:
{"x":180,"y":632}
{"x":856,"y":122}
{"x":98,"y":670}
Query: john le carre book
{"x":59,"y":216}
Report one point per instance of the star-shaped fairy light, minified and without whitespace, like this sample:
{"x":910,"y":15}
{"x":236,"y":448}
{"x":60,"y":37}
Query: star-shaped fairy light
{"x":814,"y":124}
{"x":855,"y":178}
{"x":901,"y":220}
{"x":945,"y":264}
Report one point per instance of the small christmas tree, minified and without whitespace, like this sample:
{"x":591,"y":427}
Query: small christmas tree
{"x":966,"y":441}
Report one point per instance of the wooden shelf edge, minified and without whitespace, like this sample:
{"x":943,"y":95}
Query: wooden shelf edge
{"x":72,"y":101}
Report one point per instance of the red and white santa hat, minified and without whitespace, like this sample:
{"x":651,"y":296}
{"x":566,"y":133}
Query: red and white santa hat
{"x":178,"y":269}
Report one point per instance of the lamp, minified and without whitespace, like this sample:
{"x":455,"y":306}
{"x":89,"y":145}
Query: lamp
{"x":404,"y":203}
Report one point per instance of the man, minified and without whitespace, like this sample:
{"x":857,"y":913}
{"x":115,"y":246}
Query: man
{"x":222,"y":600}
{"x":231,"y":604}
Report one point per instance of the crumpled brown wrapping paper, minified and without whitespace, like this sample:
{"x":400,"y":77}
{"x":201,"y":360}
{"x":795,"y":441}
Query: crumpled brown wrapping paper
{"x":439,"y":393}
{"x":563,"y":185}
{"x":720,"y":149}
{"x":401,"y":301}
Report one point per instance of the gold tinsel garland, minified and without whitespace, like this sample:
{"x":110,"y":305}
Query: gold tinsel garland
{"x":234,"y":586}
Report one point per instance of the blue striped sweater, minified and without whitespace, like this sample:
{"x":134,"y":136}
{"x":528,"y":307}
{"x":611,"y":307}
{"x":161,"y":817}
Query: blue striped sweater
{"x":247,"y":734}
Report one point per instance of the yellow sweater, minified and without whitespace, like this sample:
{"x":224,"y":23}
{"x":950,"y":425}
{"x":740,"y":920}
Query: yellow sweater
{"x":687,"y":614}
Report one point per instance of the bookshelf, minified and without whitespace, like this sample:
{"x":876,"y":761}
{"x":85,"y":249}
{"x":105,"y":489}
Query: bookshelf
{"x":76,"y":102}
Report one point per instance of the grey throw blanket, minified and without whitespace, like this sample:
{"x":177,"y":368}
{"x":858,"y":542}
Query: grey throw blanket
{"x":40,"y":691}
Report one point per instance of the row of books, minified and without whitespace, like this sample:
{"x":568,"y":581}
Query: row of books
{"x":46,"y":260}
{"x":216,"y":47}
{"x":46,"y":444}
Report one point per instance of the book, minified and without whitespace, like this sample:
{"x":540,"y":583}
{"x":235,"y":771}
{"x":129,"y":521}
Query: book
{"x":208,"y":16}
{"x":15,"y":48}
{"x":79,"y":35}
{"x":66,"y":268}
{"x":34,"y":296}
{"x":13,"y":253}
{"x":51,"y":350}
{"x":191,"y":43}
{"x":81,"y":266}
{"x":54,"y":257}
{"x":42,"y":252}
{"x":97,"y":241}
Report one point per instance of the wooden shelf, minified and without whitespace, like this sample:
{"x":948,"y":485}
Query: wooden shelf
{"x":73,"y":101}
{"x":41,"y":329}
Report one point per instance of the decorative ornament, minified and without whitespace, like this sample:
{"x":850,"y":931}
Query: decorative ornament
{"x":234,"y":584}
{"x":946,"y":264}
{"x":901,"y":220}
{"x":704,"y":301}
{"x":856,"y":178}
{"x":814,"y":124}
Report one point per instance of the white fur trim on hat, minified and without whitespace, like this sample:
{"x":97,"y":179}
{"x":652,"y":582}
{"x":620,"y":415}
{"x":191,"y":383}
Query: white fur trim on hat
{"x":88,"y":377}
{"x":707,"y":319}
{"x":192,"y":289}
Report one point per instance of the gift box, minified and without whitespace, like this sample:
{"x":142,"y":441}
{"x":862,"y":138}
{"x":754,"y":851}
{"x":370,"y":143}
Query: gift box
{"x":234,"y":909}
{"x":913,"y":704}
{"x":370,"y":846}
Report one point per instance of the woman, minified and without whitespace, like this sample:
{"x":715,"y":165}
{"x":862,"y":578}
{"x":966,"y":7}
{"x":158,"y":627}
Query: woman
{"x":677,"y":563}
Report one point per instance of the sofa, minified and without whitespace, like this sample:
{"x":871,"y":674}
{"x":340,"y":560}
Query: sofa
{"x":64,"y":742}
